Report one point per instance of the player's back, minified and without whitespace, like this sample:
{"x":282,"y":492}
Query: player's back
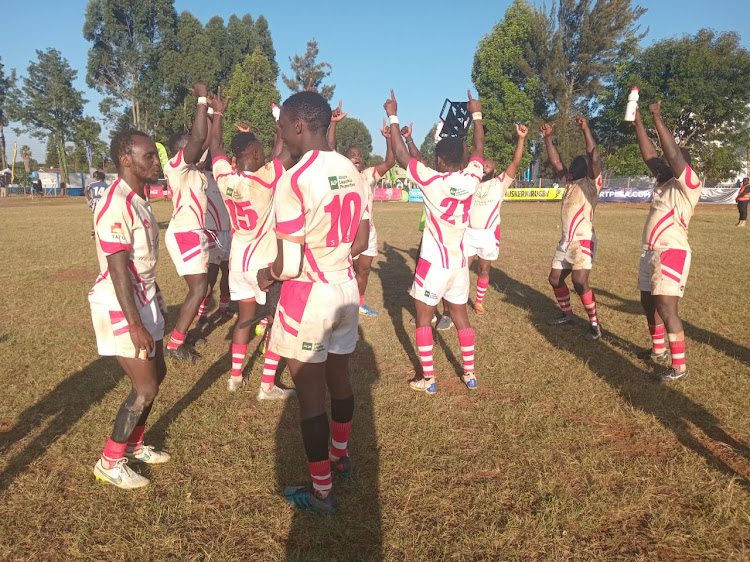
{"x":323,"y":198}
{"x":217,"y":217}
{"x":188,"y":194}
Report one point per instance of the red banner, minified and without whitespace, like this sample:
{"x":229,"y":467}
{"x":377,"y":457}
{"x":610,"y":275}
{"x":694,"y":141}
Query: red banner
{"x":387,"y":194}
{"x":155,"y":192}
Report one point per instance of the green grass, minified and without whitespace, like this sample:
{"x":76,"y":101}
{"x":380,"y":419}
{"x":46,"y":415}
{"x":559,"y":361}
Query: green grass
{"x":566,"y":451}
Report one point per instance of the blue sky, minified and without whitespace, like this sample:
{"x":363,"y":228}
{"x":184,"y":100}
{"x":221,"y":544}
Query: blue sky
{"x":424,"y":50}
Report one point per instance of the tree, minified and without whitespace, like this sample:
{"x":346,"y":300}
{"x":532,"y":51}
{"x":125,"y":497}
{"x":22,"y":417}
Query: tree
{"x":25,"y":154}
{"x":128,"y":38}
{"x":87,"y":135}
{"x":308,"y":73}
{"x":252,"y":89}
{"x":508,"y":95}
{"x":48,"y":106}
{"x":353,"y":132}
{"x":701,"y":81}
{"x":6,"y":83}
{"x":427,"y":148}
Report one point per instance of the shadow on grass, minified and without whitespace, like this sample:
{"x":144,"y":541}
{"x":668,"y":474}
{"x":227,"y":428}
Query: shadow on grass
{"x":57,"y":412}
{"x":675,"y":411}
{"x":719,"y":343}
{"x":354,"y":532}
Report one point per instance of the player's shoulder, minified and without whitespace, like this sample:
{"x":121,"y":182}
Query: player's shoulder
{"x":690,"y":179}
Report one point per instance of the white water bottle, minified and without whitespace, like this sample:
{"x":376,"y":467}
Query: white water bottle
{"x":632,"y":104}
{"x":275,"y":111}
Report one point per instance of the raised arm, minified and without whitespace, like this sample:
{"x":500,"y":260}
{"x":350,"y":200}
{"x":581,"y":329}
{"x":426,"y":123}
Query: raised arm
{"x":475,"y":108}
{"x":592,"y":154}
{"x":215,"y":139}
{"x":400,"y":151}
{"x":552,"y":154}
{"x":521,"y":131}
{"x":669,"y":147}
{"x":336,"y":116}
{"x":410,"y":144}
{"x":194,"y":148}
{"x":648,"y":151}
{"x":390,"y":160}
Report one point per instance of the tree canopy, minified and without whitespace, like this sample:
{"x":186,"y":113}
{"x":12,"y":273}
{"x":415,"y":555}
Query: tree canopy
{"x":353,"y":132}
{"x":307,"y":72}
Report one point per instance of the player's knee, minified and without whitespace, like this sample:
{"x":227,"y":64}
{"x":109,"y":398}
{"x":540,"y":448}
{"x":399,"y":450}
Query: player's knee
{"x":554,"y":279}
{"x":580,"y":287}
{"x":145,"y":395}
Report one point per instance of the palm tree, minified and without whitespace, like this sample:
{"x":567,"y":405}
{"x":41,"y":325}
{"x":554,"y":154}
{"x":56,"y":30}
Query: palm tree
{"x":26,"y":157}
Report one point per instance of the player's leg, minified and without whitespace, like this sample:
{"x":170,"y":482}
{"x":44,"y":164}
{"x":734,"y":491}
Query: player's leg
{"x":362,"y":266}
{"x":459,"y":313}
{"x":224,"y":297}
{"x":339,"y":385}
{"x":557,"y":277}
{"x":580,"y":278}
{"x":666,"y":306}
{"x":483,"y":281}
{"x":310,"y":382}
{"x":213,"y":273}
{"x":742,"y":207}
{"x":197,"y":287}
{"x":145,"y":377}
{"x":425,"y":343}
{"x":240,"y":339}
{"x":658,"y":349}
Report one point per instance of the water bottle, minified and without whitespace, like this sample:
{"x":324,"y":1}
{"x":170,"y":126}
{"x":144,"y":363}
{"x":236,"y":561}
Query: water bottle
{"x":275,"y":111}
{"x":632,"y":105}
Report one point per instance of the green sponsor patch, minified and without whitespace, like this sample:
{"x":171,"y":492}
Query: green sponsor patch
{"x":340,"y":182}
{"x":333,"y":181}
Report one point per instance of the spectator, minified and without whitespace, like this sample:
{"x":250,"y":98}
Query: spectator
{"x":743,"y":198}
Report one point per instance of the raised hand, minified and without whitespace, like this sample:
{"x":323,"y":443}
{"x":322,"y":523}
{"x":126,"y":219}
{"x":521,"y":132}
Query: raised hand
{"x":337,"y":115}
{"x":199,"y":90}
{"x":406,"y":131}
{"x":655,"y":109}
{"x":386,"y":130}
{"x":521,"y":130}
{"x":582,"y":122}
{"x":220,"y":105}
{"x":474,"y":106}
{"x":390,"y":105}
{"x":547,"y":129}
{"x":244,"y":127}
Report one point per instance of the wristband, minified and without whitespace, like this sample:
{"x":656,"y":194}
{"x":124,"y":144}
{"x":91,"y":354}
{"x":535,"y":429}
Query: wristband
{"x":476,"y":116}
{"x":393,"y":119}
{"x":411,"y":140}
{"x":202,"y":100}
{"x":134,"y":330}
{"x":210,"y":111}
{"x":218,"y":113}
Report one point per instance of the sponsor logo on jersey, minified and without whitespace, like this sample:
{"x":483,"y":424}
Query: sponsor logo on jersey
{"x":117,"y":229}
{"x":230,"y":191}
{"x":333,"y":181}
{"x":310,"y":346}
{"x":457,"y":191}
{"x":340,"y":182}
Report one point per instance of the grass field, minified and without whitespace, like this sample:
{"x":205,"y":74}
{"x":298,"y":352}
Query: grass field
{"x":566,"y":451}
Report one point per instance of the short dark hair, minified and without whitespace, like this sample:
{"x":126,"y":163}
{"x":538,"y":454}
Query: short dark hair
{"x":98,"y":174}
{"x":450,"y":149}
{"x":241,"y":141}
{"x":311,"y":107}
{"x":174,"y":140}
{"x":122,"y":143}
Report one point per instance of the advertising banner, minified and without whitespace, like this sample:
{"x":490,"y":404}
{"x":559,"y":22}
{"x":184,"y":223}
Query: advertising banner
{"x":626,"y":194}
{"x":534,"y":194}
{"x":387,"y":194}
{"x":415,"y":196}
{"x":719,"y":195}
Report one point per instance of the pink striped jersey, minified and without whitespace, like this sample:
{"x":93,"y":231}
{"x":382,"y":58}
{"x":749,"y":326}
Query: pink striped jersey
{"x":188,"y":195}
{"x":125,"y":223}
{"x":485,"y":205}
{"x":447,"y":203}
{"x":249,"y":196}
{"x":323,"y":199}
{"x":371,"y":177}
{"x":217,"y":217}
{"x":671,"y":210}
{"x":578,"y":203}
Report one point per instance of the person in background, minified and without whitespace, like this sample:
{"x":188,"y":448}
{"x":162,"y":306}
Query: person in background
{"x":93,"y":193}
{"x":743,"y":198}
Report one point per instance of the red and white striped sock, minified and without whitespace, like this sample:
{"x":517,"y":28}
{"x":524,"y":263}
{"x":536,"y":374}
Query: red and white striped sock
{"x":238,"y":358}
{"x":466,"y":341}
{"x":425,"y":342}
{"x":112,"y":453}
{"x":677,"y":349}
{"x":562,"y":295}
{"x":589,"y":303}
{"x":482,"y":284}
{"x":321,"y":475}
{"x":224,"y":303}
{"x":176,"y":340}
{"x":657,"y":338}
{"x":340,"y":438}
{"x":136,"y":438}
{"x":361,"y":300}
{"x":270,"y":364}
{"x":203,"y":309}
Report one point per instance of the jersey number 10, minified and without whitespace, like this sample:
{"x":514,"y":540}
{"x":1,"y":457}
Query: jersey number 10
{"x":345,"y":215}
